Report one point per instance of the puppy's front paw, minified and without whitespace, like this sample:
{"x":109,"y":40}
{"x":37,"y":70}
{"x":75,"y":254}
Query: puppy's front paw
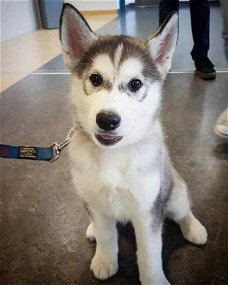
{"x":103,"y":269}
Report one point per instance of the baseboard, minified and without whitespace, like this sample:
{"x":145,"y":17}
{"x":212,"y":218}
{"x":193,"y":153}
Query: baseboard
{"x":99,"y":12}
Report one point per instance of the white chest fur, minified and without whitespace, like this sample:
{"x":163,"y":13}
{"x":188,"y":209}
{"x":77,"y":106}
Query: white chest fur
{"x":119,"y":183}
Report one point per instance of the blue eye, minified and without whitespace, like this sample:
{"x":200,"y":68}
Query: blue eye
{"x":96,"y":79}
{"x":134,"y":85}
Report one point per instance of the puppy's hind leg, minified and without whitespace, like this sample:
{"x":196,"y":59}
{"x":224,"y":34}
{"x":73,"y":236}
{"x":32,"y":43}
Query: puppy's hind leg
{"x":90,"y":234}
{"x":178,"y":208}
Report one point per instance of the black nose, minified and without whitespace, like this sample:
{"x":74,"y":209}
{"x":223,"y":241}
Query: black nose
{"x":108,"y":121}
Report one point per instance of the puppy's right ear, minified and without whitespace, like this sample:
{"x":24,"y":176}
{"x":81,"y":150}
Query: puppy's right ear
{"x":75,"y":35}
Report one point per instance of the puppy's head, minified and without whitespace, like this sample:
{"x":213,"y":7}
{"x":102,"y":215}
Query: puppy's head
{"x":116,"y":80}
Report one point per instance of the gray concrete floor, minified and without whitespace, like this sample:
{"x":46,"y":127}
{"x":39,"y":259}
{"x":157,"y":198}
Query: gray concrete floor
{"x":43,"y":222}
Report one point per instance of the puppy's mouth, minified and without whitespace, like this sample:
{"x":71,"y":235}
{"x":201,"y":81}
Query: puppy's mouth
{"x":108,"y":139}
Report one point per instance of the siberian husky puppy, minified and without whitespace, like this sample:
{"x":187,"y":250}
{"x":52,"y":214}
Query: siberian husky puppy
{"x":121,"y":167}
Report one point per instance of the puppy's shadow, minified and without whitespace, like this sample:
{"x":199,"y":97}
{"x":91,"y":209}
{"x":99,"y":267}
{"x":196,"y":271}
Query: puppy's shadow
{"x":127,"y":253}
{"x":221,"y":151}
{"x":172,"y":240}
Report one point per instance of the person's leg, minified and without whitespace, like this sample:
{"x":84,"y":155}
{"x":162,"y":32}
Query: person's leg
{"x":166,"y":7}
{"x":200,"y":19}
{"x":224,"y":6}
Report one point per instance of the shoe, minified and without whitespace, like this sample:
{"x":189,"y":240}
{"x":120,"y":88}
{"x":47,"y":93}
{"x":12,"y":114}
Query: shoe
{"x":221,"y":125}
{"x":205,"y":68}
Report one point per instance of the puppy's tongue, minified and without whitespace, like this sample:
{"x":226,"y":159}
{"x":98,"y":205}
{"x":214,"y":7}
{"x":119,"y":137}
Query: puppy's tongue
{"x":107,"y":136}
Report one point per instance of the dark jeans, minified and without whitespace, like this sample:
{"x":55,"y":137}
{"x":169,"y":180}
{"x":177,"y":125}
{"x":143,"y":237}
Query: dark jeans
{"x":200,"y":19}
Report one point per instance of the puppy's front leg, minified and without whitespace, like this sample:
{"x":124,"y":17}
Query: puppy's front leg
{"x":105,"y":261}
{"x":149,"y":248}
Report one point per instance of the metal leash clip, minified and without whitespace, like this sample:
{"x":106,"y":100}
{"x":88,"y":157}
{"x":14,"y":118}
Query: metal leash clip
{"x":57,"y":148}
{"x":56,"y":151}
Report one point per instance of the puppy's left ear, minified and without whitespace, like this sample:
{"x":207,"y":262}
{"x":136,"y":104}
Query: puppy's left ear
{"x":162,"y":44}
{"x":75,"y":35}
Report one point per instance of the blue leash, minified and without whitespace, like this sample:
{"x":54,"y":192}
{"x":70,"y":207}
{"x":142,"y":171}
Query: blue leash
{"x":26,"y":152}
{"x":50,"y":153}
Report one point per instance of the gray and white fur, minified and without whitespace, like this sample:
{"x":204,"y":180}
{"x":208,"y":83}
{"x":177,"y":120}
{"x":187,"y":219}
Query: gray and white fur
{"x":120,"y":164}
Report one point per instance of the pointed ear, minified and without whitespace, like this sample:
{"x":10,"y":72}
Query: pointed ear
{"x":75,"y":35}
{"x":162,"y":44}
